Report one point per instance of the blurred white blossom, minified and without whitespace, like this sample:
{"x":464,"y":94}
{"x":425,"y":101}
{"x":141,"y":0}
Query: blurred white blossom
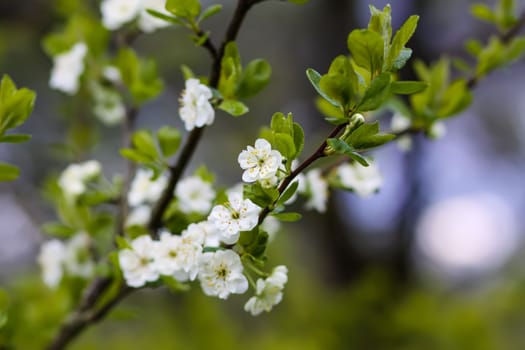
{"x":364,"y":181}
{"x":196,"y":109}
{"x":194,"y":195}
{"x":317,"y":191}
{"x":137,"y":264}
{"x":51,"y":259}
{"x":144,"y":189}
{"x":67,"y":69}
{"x":73,"y":179}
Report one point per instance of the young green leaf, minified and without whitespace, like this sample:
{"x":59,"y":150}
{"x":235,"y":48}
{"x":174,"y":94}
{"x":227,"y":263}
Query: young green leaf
{"x":210,"y":11}
{"x":314,"y":77}
{"x":255,"y":77}
{"x":288,"y":193}
{"x":8,"y":172}
{"x":234,"y":108}
{"x":341,"y":147}
{"x":367,"y":136}
{"x":15,"y":138}
{"x":400,"y":40}
{"x":407,"y":87}
{"x":376,"y":93}
{"x":288,"y":217}
{"x":367,"y":49}
{"x":144,"y":142}
{"x":169,"y":140}
{"x":188,"y":9}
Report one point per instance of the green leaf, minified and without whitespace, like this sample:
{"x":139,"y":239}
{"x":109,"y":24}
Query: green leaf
{"x":210,"y":11}
{"x":259,"y":195}
{"x":314,"y":78}
{"x":122,"y":243}
{"x":483,"y":12}
{"x":187,"y":73}
{"x":164,"y":17}
{"x":367,"y":136}
{"x":299,"y":2}
{"x":455,"y":99}
{"x":135,"y":155}
{"x":231,"y":71}
{"x":173,"y":285}
{"x":288,"y":217}
{"x":407,"y":87}
{"x":282,"y":124}
{"x":169,"y":140}
{"x":255,"y":77}
{"x":234,"y":108}
{"x":145,"y":143}
{"x":367,"y":49}
{"x":284,"y":143}
{"x":58,"y":229}
{"x":288,"y":193}
{"x":298,"y":139}
{"x":376,"y":93}
{"x":205,"y":174}
{"x":400,"y":39}
{"x":15,"y":138}
{"x":15,"y":104}
{"x":401,"y":59}
{"x":8,"y":172}
{"x":341,"y":147}
{"x":188,"y":9}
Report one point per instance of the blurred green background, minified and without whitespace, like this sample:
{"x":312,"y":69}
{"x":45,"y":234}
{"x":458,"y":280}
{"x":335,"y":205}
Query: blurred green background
{"x":432,"y":262}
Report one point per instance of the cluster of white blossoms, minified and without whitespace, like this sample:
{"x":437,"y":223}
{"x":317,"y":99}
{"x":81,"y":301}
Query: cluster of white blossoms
{"x":269,"y":292}
{"x":57,"y":258}
{"x":67,"y":69}
{"x":260,"y":162}
{"x":196,"y":109}
{"x":364,"y":181}
{"x":108,"y":105}
{"x":116,"y":13}
{"x":181,"y":257}
{"x":73,"y":179}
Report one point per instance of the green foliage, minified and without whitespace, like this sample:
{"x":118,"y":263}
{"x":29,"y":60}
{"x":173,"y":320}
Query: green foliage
{"x":140,"y":76}
{"x":288,"y":193}
{"x":503,"y":15}
{"x":286,"y":136}
{"x":169,"y":140}
{"x":498,"y":54}
{"x":254,"y":243}
{"x":442,"y":98}
{"x":367,"y":136}
{"x":146,"y":147}
{"x":15,"y":107}
{"x":339,"y":146}
{"x":235,"y":83}
{"x":187,"y":9}
{"x":80,"y":27}
{"x":287,"y":217}
{"x":263,"y":197}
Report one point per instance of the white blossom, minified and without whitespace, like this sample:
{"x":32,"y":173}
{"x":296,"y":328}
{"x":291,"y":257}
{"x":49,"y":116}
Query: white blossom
{"x":138,"y":264}
{"x":207,"y":232}
{"x":108,"y":105}
{"x":194,"y":195}
{"x":145,"y":190}
{"x":271,"y":225}
{"x":51,"y":259}
{"x":139,"y":216}
{"x":221,"y":274}
{"x":166,"y":254}
{"x":401,"y":123}
{"x":233,"y":217}
{"x":112,"y":74}
{"x":437,"y":130}
{"x":196,"y":109}
{"x":364,"y":181}
{"x":116,"y":13}
{"x":317,"y":190}
{"x":259,"y":162}
{"x":147,"y":22}
{"x":67,"y":69}
{"x":77,"y":259}
{"x":268,"y":292}
{"x":73,"y":179}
